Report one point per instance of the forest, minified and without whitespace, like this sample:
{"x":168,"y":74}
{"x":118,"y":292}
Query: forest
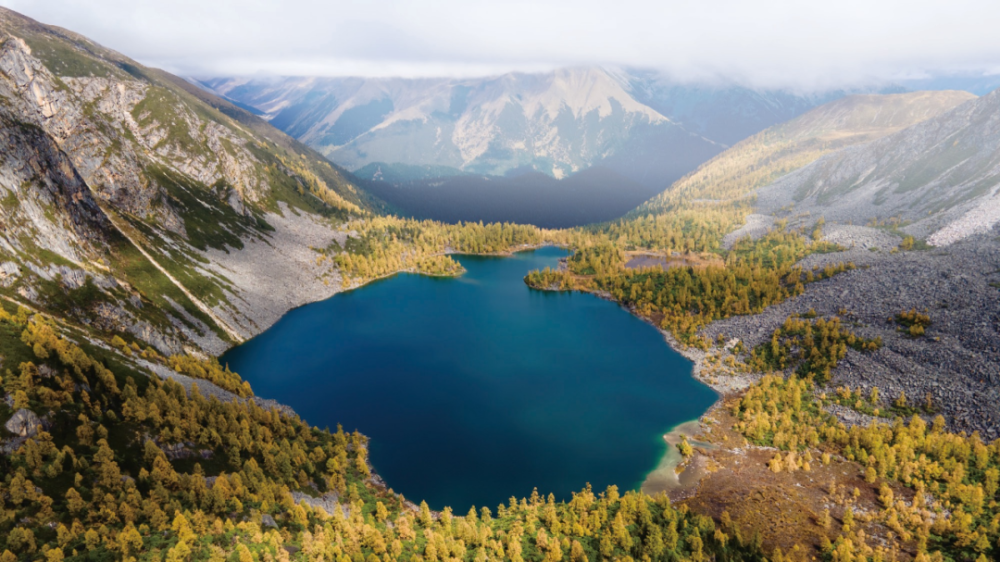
{"x":812,"y":347}
{"x":380,"y":246}
{"x":120,"y":465}
{"x":756,"y":274}
{"x":949,"y":510}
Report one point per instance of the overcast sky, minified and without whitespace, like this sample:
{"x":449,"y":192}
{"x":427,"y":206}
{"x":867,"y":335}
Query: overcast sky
{"x":804,"y":44}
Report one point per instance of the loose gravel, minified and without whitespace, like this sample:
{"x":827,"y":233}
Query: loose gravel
{"x":957,"y":361}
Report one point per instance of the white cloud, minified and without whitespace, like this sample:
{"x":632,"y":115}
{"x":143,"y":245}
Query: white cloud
{"x":789,"y":43}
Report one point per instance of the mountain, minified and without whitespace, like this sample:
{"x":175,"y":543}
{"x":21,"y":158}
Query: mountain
{"x":733,"y":176}
{"x":921,"y":163}
{"x":937,"y":179}
{"x":135,"y":202}
{"x":634,"y":122}
{"x":724,"y":113}
{"x":558,"y":123}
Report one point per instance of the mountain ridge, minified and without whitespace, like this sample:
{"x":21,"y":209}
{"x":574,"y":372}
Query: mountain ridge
{"x":558,"y":123}
{"x":532,"y":120}
{"x":735,"y":176}
{"x":142,"y":191}
{"x":641,"y":124}
{"x":936,"y":179}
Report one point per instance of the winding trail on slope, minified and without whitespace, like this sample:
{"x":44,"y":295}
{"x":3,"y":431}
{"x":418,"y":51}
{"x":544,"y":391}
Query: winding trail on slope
{"x":201,"y":306}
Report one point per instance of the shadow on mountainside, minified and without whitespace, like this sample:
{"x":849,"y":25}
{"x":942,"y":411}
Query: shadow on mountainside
{"x":594,"y":195}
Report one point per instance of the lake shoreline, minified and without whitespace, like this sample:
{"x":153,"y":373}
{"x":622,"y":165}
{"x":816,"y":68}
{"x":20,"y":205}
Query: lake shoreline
{"x":405,"y":321}
{"x":665,"y":477}
{"x":672,"y":473}
{"x":691,"y":473}
{"x":503,"y":254}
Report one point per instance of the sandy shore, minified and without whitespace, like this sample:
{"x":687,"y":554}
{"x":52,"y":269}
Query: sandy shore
{"x":665,"y":477}
{"x":673,"y":475}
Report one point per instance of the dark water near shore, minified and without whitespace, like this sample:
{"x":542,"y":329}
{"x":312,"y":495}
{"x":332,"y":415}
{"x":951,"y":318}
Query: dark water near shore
{"x":477,"y":389}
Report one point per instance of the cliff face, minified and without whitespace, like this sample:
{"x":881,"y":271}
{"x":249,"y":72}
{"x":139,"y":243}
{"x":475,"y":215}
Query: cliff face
{"x":134,"y":204}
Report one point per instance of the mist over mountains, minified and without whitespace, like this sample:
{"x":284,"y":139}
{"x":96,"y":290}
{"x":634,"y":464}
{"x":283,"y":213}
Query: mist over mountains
{"x":557,"y":123}
{"x":642,"y":130}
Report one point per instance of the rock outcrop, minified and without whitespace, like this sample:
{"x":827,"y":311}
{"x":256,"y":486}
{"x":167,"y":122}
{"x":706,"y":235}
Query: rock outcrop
{"x":134,"y":202}
{"x":24,"y":423}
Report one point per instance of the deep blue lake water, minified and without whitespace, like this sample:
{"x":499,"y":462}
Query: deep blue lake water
{"x":477,"y":389}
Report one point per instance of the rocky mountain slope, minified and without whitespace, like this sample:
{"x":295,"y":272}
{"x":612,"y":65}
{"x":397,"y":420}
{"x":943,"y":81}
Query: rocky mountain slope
{"x":937,"y":180}
{"x":953,"y":365}
{"x":130,"y":198}
{"x":733,"y":176}
{"x":636,"y":123}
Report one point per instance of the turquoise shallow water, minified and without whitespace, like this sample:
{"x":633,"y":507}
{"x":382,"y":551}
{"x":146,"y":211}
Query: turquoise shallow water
{"x":477,"y":389}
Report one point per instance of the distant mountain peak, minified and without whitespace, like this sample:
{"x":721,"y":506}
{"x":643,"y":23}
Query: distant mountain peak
{"x":582,"y":91}
{"x":558,"y":122}
{"x":637,"y":122}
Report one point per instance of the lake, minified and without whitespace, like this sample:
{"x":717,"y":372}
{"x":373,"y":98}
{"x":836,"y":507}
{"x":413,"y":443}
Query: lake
{"x":476,"y":389}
